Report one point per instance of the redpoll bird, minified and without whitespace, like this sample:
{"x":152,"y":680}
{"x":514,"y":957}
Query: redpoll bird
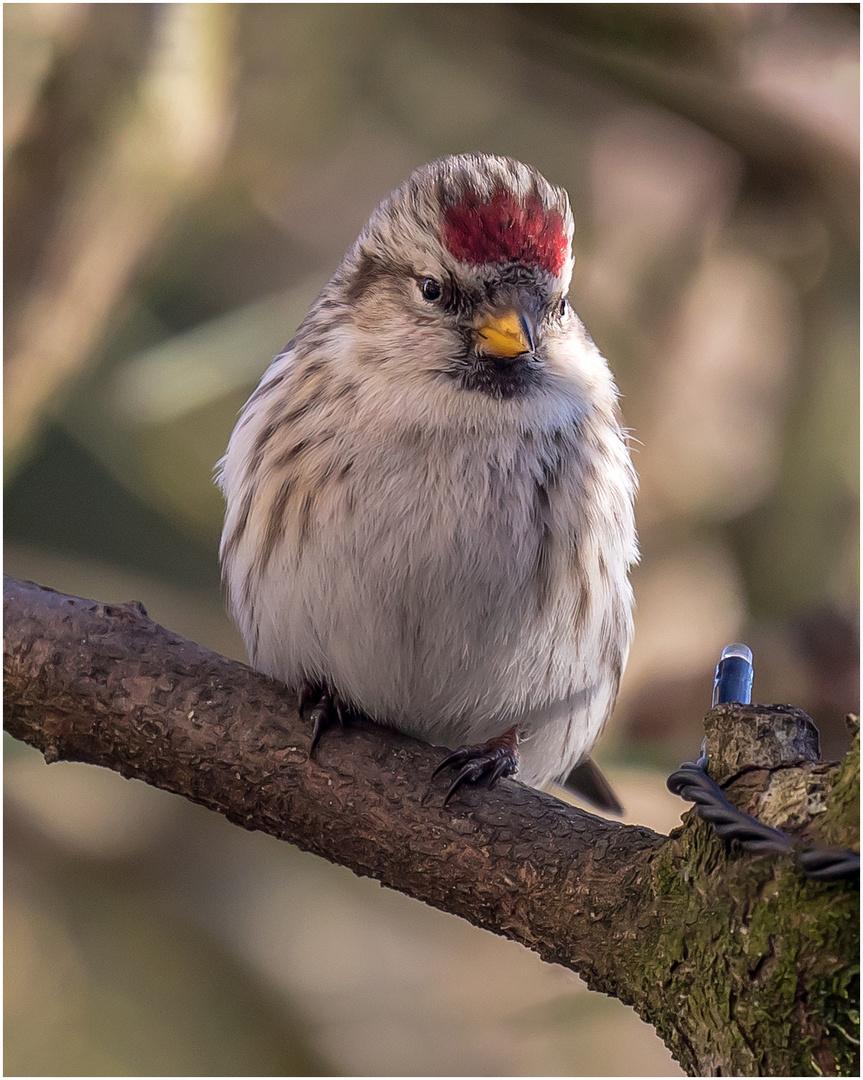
{"x":430,"y":496}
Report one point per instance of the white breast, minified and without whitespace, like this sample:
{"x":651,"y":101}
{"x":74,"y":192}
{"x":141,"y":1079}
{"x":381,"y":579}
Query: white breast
{"x":437,"y":591}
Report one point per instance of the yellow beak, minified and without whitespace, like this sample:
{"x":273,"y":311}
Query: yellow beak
{"x":508,"y":334}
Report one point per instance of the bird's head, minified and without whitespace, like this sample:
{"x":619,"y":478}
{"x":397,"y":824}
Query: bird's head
{"x":461,"y":275}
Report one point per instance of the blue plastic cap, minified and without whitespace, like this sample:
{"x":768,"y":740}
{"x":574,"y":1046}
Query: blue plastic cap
{"x":737,"y":649}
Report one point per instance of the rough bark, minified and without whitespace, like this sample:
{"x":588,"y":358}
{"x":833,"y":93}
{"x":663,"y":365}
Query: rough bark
{"x":743,"y":966}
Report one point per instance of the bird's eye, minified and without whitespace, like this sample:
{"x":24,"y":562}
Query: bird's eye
{"x":431,"y":289}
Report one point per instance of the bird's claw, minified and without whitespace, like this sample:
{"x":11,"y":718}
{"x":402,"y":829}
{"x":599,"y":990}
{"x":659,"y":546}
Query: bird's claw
{"x":327,"y":710}
{"x":495,"y":759}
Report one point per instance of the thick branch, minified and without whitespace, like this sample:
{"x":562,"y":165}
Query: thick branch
{"x":103,"y":684}
{"x":620,"y":904}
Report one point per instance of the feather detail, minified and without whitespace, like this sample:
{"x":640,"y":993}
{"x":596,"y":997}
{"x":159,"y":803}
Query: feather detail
{"x":503,"y":229}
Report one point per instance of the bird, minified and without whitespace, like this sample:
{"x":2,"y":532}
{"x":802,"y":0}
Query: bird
{"x":430,"y":495}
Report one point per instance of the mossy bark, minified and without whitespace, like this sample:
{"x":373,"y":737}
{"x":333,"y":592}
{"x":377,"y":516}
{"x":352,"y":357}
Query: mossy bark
{"x":756,"y":962}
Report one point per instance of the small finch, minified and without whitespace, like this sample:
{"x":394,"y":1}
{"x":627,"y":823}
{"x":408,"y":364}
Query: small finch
{"x":430,"y":495}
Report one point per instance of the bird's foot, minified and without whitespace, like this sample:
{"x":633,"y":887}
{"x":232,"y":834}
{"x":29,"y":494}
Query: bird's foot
{"x":325,"y":709}
{"x":496,"y":758}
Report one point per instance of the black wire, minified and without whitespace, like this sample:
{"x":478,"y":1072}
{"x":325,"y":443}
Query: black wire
{"x":692,"y":783}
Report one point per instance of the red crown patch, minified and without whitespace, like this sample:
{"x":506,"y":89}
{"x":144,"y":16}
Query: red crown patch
{"x":505,"y":230}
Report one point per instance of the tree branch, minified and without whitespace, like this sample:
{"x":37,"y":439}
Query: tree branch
{"x":648,"y":919}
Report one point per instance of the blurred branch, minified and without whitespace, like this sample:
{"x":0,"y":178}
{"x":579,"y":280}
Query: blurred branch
{"x":120,"y":173}
{"x":786,"y":152}
{"x":742,"y":965}
{"x":34,"y":37}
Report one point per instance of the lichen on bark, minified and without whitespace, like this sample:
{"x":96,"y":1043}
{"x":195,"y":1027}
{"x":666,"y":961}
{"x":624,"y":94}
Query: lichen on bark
{"x":755,"y":960}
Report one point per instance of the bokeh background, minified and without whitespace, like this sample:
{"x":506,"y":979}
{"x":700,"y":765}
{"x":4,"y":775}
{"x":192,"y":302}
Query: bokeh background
{"x":179,"y":182}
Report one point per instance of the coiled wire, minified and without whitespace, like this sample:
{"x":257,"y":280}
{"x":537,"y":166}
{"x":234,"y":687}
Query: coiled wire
{"x":692,"y":783}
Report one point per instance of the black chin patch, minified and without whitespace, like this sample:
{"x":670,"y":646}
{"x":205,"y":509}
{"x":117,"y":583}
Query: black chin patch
{"x":497,"y":377}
